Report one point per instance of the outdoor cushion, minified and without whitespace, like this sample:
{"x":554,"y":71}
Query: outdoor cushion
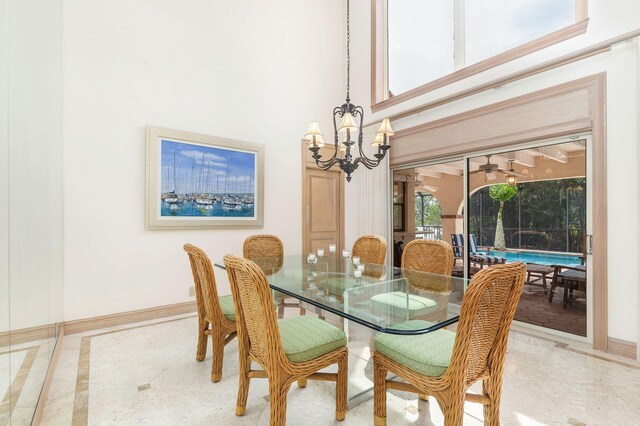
{"x":428,"y":354}
{"x":486,"y":258}
{"x":306,"y":338}
{"x":457,"y":242}
{"x":399,"y":305}
{"x":228,"y":310}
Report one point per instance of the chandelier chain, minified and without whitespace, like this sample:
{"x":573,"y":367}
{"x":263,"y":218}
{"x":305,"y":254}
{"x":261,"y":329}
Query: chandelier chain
{"x":348,"y":53}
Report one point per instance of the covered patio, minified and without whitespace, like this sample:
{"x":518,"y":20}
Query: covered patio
{"x":543,"y":223}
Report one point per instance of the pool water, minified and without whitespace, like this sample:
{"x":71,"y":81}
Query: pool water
{"x":538,"y":257}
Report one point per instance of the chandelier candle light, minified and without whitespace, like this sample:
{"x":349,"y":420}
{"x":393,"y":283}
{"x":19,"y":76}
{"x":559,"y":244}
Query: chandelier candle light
{"x":352,"y":117}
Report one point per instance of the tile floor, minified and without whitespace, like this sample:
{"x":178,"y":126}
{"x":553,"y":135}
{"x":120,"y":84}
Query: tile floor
{"x":146,"y":374}
{"x":25,"y":366}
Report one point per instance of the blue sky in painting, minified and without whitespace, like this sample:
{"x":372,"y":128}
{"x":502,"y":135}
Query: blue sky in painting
{"x":201,"y":169}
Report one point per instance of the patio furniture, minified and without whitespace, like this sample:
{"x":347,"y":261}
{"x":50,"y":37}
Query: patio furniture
{"x":268,"y":252}
{"x":537,"y":275}
{"x":570,"y":278}
{"x":444,"y":364}
{"x":288,"y":350}
{"x":216,"y":315}
{"x":371,"y":249}
{"x":330,"y":285}
{"x":475,"y":254}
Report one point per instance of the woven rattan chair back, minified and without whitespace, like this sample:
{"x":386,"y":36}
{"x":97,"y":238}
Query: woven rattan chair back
{"x":257,"y":322}
{"x":431,"y":256}
{"x":204,"y":283}
{"x":371,"y":249}
{"x":487,"y":310}
{"x":267,"y":251}
{"x":211,"y":319}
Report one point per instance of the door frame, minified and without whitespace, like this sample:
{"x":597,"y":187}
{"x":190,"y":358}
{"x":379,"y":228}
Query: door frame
{"x":583,"y":103}
{"x":309,"y":164}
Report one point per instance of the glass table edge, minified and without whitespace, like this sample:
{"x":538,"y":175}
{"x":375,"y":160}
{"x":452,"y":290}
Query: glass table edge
{"x":342,"y":314}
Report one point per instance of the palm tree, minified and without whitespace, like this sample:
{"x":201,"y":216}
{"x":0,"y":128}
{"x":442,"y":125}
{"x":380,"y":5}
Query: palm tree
{"x":501,"y":193}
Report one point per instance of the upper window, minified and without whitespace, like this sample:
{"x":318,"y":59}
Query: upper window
{"x":430,"y":39}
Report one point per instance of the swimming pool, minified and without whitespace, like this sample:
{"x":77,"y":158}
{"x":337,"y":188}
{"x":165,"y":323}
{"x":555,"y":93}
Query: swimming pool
{"x":540,"y":258}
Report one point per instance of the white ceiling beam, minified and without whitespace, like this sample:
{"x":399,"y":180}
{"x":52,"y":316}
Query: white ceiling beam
{"x":429,"y":173}
{"x":445,"y":169}
{"x":554,"y":153}
{"x":522,"y":157}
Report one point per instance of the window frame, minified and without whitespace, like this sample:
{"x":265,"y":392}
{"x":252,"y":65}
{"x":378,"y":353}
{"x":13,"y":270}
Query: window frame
{"x":380,"y":95}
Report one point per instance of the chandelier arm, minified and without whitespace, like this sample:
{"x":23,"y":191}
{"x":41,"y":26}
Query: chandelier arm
{"x":368,"y":162}
{"x":326,"y":165}
{"x":364,"y":159}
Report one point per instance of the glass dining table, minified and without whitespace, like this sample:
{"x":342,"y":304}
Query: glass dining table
{"x":365,"y":299}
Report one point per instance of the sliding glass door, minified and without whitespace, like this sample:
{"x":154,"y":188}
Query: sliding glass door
{"x":527,"y":203}
{"x":427,"y":204}
{"x":530,"y":205}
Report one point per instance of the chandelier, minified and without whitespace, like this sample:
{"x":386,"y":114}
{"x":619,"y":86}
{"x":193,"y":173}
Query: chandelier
{"x":348,"y":153}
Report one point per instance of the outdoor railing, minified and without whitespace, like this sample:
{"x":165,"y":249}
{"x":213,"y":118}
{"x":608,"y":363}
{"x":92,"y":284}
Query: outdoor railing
{"x":429,"y":232}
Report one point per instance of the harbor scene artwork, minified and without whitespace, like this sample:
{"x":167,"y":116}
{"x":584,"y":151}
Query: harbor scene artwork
{"x":198,"y":180}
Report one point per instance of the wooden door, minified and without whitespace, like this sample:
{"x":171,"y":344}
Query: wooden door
{"x":323,"y":209}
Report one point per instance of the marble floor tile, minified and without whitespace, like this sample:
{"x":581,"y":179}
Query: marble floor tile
{"x":146,"y":374}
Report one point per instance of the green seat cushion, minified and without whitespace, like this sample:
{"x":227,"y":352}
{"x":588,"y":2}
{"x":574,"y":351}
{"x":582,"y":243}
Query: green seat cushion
{"x":399,"y":305}
{"x":337,"y":285}
{"x":306,"y":338}
{"x":428,"y":354}
{"x":228,"y":310}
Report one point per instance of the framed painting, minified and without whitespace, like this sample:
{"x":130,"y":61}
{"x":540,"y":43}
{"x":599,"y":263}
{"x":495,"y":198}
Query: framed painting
{"x":198,"y":181}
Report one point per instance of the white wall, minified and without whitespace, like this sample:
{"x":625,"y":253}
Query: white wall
{"x":4,"y":179}
{"x":32,"y":195}
{"x":607,"y":19}
{"x":248,"y":70}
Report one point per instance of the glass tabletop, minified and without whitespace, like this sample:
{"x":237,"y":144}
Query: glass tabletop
{"x":383,"y":298}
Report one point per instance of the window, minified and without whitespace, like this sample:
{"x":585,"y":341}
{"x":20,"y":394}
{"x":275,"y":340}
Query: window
{"x":495,"y":26}
{"x":427,"y":40}
{"x":413,"y":56}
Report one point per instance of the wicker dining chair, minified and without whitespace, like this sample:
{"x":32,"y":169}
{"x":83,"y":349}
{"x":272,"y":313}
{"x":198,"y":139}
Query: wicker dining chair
{"x":371,"y":249}
{"x":267,"y":251}
{"x":288,"y":350}
{"x":445,"y":364}
{"x":216,"y":315}
{"x":427,"y":267}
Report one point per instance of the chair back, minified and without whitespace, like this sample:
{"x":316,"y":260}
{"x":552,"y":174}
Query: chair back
{"x":256,"y":318}
{"x":457,"y":241}
{"x":487,"y":310}
{"x":432,"y":256}
{"x":371,"y":249}
{"x":267,"y":251}
{"x":473,"y":244}
{"x":205,"y":284}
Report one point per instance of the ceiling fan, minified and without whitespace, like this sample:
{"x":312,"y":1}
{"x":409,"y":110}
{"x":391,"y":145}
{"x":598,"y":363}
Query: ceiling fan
{"x":489,"y":169}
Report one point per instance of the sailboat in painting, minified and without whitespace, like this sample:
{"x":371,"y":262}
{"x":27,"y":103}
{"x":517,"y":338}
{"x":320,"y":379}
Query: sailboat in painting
{"x":207,"y":181}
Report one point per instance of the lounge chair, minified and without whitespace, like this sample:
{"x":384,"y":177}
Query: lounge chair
{"x":475,"y":255}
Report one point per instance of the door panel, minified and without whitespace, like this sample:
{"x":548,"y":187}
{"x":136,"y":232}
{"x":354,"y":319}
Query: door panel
{"x":323,"y":207}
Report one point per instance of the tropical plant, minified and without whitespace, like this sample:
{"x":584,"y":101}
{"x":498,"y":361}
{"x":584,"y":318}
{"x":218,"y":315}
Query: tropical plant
{"x":501,"y":193}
